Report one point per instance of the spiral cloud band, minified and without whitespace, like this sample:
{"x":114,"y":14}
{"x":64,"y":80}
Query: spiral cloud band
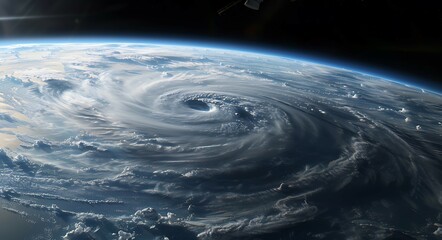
{"x":148,"y":141}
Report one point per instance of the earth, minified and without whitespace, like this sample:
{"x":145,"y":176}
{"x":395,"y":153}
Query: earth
{"x":159,"y":141}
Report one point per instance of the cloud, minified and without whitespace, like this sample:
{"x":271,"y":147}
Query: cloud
{"x":7,"y":118}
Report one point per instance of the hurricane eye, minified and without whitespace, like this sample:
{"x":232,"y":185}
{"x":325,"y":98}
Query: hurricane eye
{"x":197,"y":105}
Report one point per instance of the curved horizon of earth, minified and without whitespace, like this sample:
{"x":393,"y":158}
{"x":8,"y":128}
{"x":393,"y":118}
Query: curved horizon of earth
{"x":151,"y":141}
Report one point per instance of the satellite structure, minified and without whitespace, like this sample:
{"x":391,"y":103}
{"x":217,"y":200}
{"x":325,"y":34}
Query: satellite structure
{"x":252,"y":4}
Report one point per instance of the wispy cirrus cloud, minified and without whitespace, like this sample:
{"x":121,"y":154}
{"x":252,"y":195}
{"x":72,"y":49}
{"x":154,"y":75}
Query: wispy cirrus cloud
{"x":19,"y":18}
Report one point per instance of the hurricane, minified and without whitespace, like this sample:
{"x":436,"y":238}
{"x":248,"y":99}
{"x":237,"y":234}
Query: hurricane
{"x":152,"y":141}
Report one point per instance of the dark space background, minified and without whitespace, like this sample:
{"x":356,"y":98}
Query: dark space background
{"x":400,"y":38}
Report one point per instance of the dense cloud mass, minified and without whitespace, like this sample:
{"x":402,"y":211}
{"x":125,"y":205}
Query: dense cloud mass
{"x":145,"y":141}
